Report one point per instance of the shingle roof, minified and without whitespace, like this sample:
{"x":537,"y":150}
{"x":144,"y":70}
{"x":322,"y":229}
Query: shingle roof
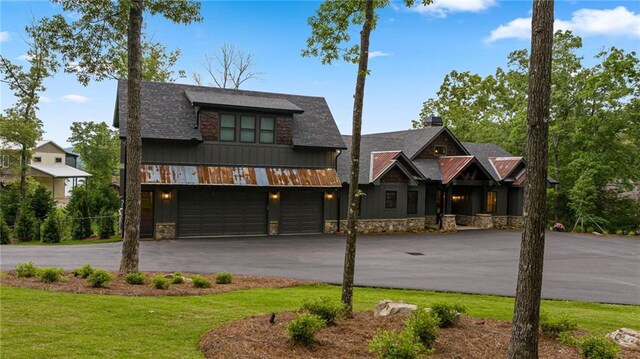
{"x":368,"y":144}
{"x":483,"y":151}
{"x":240,"y":100}
{"x":167,"y":113}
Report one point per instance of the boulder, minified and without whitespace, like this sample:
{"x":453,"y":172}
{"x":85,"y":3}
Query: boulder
{"x":626,"y":338}
{"x":389,"y":307}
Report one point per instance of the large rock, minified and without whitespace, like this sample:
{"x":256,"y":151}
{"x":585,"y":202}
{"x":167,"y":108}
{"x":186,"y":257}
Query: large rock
{"x":389,"y":307}
{"x":627,"y":338}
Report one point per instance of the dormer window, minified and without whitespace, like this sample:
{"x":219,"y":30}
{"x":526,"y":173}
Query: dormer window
{"x":247,"y":129}
{"x":227,"y":127}
{"x":267,"y":129}
{"x":440,"y":150}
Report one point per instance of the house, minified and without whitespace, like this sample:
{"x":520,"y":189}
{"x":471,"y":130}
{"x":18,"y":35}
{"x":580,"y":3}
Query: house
{"x":426,"y":177}
{"x":50,"y":164}
{"x":219,"y":162}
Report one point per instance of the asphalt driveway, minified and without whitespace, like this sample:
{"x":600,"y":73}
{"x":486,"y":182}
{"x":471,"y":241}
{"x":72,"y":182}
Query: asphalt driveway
{"x":577,"y":267}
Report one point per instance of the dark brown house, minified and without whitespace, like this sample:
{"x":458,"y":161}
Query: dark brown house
{"x":219,"y":162}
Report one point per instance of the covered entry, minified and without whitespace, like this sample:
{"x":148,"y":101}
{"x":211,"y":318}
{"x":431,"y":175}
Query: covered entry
{"x":301,"y":212}
{"x":207,"y":212}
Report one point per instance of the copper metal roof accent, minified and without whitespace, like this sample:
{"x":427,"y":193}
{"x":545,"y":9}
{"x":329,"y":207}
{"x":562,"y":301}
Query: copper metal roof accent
{"x":451,"y":166}
{"x":238,"y":176}
{"x":504,"y":165}
{"x":380,"y":162}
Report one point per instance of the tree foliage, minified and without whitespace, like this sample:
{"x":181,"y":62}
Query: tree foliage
{"x":41,"y":202}
{"x":594,"y":127}
{"x":99,"y":148}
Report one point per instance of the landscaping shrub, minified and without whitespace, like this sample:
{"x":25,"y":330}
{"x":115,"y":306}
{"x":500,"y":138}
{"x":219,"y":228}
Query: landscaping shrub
{"x":80,"y":226}
{"x":567,"y":338}
{"x":52,"y":228}
{"x":593,"y":347}
{"x":26,"y":269}
{"x":99,"y":278}
{"x":555,"y":325}
{"x":27,"y":228}
{"x":224,"y":278}
{"x":159,"y":282}
{"x":50,"y":274}
{"x":5,"y":234}
{"x":83,"y":272}
{"x":446,"y":312}
{"x":424,"y":325}
{"x":392,"y":345}
{"x":325,"y":308}
{"x":303,"y":328}
{"x":134,"y":278}
{"x":200,"y":282}
{"x":106,"y":224}
{"x":41,"y":202}
{"x":177,"y":278}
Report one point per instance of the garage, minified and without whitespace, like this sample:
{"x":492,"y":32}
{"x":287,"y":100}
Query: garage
{"x":301,"y":212}
{"x":221,"y":212}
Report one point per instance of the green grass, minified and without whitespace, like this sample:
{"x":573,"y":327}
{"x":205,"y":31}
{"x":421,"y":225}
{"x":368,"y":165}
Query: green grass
{"x":37,"y":324}
{"x":71,"y":242}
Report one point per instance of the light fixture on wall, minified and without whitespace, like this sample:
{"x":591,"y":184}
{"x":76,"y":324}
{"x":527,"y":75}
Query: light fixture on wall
{"x":328,"y":195}
{"x":164,"y":195}
{"x":457,"y":198}
{"x":274,"y":196}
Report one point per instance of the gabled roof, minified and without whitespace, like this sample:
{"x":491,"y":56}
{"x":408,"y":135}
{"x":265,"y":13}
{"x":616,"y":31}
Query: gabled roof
{"x":57,"y":170}
{"x":167,"y":112}
{"x":484,"y":151}
{"x":504,"y":166}
{"x":451,"y":166}
{"x":381,"y":161}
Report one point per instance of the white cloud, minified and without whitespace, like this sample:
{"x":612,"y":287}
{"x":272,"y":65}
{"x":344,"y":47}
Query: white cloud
{"x":74,"y":98}
{"x":45,"y":99}
{"x":373,"y":54}
{"x":584,"y":22}
{"x":440,"y":8}
{"x":24,"y":57}
{"x":4,"y":36}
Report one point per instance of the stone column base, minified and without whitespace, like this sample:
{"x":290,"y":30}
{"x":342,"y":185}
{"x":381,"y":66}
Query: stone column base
{"x":449,"y":223}
{"x":515,"y":221}
{"x":165,"y":231}
{"x":330,"y":227}
{"x":431,"y":220}
{"x":482,"y":220}
{"x":273,"y":228}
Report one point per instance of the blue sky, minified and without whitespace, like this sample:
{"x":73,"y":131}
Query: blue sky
{"x":415,"y":49}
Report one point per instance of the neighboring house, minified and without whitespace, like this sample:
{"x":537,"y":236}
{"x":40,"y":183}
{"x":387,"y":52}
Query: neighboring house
{"x":423,"y":177}
{"x":50,"y":164}
{"x":230,"y":162}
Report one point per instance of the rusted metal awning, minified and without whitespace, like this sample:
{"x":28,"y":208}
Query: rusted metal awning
{"x":238,"y":176}
{"x":451,"y":166}
{"x":505,"y":165}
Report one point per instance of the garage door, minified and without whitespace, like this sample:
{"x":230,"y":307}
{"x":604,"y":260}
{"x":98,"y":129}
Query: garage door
{"x":300,"y":212}
{"x":206,"y":213}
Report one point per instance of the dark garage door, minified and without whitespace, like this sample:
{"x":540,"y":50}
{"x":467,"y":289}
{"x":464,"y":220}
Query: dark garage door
{"x":300,"y":212}
{"x":221,"y":212}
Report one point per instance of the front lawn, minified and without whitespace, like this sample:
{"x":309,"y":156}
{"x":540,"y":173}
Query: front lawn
{"x":47,"y":324}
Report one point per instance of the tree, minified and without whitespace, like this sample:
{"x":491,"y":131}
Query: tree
{"x":99,"y":147}
{"x":329,"y":32}
{"x":157,"y":63}
{"x":41,"y":202}
{"x":526,"y":312}
{"x":89,"y":46}
{"x":229,"y":68}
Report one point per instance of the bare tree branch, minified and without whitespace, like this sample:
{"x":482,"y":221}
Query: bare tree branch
{"x":228,"y":68}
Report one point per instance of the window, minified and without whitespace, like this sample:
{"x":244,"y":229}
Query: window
{"x":267,"y":129}
{"x":37,"y":159}
{"x":4,"y":161}
{"x":440,"y":150}
{"x":492,"y":201}
{"x":227,"y":128}
{"x":390,"y":199}
{"x":412,"y":202}
{"x":58,"y":159}
{"x":247,"y":129}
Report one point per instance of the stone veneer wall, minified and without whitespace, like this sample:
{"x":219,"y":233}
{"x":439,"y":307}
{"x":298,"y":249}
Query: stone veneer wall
{"x":500,"y":221}
{"x":379,"y":225}
{"x":165,"y":231}
{"x":449,"y":223}
{"x":431,"y":220}
{"x":482,"y":220}
{"x":516,"y":221}
{"x":273,"y":228}
{"x":464,"y":220}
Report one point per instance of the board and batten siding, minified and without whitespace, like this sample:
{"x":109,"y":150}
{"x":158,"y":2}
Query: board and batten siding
{"x":373,"y":203}
{"x":235,"y":154}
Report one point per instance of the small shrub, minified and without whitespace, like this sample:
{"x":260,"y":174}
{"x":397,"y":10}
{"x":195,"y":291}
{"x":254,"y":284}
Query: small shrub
{"x":303,"y":328}
{"x":424,"y":325}
{"x":27,"y":229}
{"x":325,"y":308}
{"x":5,"y":234}
{"x":566,"y":338}
{"x":50,"y":274}
{"x":392,"y":345}
{"x":83,"y":272}
{"x":556,"y":325}
{"x":593,"y":347}
{"x":447,"y":312}
{"x":159,"y":282}
{"x":619,"y":232}
{"x":106,"y":224}
{"x":52,"y":228}
{"x":99,"y":278}
{"x":134,"y":278}
{"x":224,"y":278}
{"x":26,"y":269}
{"x":177,"y":278}
{"x":200,"y":282}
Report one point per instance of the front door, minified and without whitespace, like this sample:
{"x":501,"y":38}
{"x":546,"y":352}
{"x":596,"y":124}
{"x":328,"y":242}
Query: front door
{"x":146,"y":214}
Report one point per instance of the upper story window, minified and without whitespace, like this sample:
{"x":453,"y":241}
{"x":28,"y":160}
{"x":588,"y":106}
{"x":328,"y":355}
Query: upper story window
{"x":247,"y":129}
{"x":37,"y":159}
{"x":58,"y":159}
{"x":440,"y":150}
{"x":267,"y":129}
{"x":227,"y":127}
{"x":391,"y":200}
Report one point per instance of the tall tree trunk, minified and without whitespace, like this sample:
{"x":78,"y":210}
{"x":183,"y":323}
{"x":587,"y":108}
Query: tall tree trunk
{"x":130,"y":245}
{"x":352,"y":216}
{"x":556,"y":172}
{"x":524,"y":330}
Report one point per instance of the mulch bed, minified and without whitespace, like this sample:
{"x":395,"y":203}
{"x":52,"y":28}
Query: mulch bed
{"x":254,"y":337}
{"x":119,"y":287}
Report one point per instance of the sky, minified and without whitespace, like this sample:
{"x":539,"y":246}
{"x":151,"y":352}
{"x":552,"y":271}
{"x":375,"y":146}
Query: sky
{"x":411,"y":51}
